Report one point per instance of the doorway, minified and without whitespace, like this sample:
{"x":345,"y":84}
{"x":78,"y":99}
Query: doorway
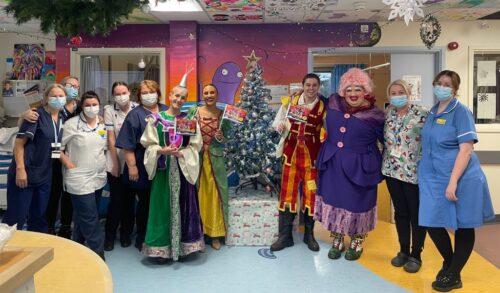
{"x":384,"y":65}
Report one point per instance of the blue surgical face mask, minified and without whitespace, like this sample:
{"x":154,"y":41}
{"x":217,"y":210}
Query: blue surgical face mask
{"x":442,"y":93}
{"x":56,"y":102}
{"x":399,"y":101}
{"x":71,"y":92}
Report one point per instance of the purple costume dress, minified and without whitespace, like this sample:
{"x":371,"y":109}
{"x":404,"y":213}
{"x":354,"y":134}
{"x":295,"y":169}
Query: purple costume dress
{"x":349,"y":164}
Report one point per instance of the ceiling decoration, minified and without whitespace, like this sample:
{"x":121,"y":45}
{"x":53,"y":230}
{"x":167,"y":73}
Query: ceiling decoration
{"x":405,"y":9}
{"x":430,"y":30}
{"x":214,"y":6}
{"x":293,"y":11}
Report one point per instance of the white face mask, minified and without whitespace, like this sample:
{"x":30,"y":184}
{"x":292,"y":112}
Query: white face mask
{"x":91,"y":111}
{"x":149,"y":99}
{"x":122,"y":100}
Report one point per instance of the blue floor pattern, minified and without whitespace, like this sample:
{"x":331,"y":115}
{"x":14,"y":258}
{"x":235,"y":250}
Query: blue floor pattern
{"x":244,"y":269}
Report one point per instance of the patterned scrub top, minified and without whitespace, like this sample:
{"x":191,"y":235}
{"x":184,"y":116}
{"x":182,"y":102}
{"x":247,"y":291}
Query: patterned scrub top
{"x":402,"y":147}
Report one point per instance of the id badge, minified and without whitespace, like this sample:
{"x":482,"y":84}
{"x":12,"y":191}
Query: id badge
{"x":56,"y":150}
{"x":396,"y":152}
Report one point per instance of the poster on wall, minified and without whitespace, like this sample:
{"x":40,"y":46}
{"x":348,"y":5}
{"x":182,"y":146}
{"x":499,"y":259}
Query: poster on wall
{"x":415,"y":82}
{"x":8,"y":67}
{"x":7,"y":89}
{"x":486,"y":105}
{"x":486,"y":73}
{"x":277,"y":91}
{"x":28,"y":60}
{"x":49,"y":72}
{"x":20,"y":86}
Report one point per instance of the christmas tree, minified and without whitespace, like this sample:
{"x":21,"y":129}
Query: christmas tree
{"x":251,"y":147}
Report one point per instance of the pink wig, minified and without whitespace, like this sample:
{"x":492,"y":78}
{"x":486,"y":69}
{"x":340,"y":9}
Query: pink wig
{"x":355,"y":77}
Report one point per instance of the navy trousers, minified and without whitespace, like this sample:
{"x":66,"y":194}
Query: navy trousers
{"x":27,"y":204}
{"x":87,"y":227}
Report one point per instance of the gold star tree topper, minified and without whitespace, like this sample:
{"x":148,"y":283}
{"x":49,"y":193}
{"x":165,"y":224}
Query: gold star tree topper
{"x":252,"y":60}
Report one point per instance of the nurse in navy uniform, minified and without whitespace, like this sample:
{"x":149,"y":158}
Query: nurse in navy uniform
{"x":29,"y":179}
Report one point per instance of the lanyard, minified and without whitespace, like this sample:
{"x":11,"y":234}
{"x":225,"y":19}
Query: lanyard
{"x":399,"y":126}
{"x":57,"y":131}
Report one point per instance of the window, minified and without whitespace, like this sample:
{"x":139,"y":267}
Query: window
{"x":99,"y":68}
{"x":325,"y":88}
{"x":485,"y":88}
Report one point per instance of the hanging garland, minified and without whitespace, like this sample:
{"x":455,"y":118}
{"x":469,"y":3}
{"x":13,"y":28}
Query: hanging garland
{"x":73,"y":17}
{"x":430,"y":29}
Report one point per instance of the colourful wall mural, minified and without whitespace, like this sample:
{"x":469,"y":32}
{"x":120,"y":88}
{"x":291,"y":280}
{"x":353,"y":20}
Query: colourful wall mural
{"x":183,"y":56}
{"x":282,"y":47}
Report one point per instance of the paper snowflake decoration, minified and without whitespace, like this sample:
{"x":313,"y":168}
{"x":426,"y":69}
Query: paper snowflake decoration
{"x":405,"y":8}
{"x":482,"y":97}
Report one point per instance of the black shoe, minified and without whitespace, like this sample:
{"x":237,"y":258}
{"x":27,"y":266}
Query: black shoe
{"x":442,"y":271}
{"x":413,"y":265}
{"x":109,"y":245}
{"x":283,"y":242}
{"x":285,"y":238}
{"x":51,"y":231}
{"x":447,"y":283}
{"x":125,"y":241}
{"x":399,"y":260}
{"x":139,"y":241}
{"x":64,"y":231}
{"x":101,"y":254}
{"x":159,"y":260}
{"x":312,"y":244}
{"x":138,"y":245}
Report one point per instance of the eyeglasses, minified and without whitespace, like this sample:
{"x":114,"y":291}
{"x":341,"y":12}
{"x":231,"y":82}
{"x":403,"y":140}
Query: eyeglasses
{"x":210,"y":92}
{"x":71,"y":85}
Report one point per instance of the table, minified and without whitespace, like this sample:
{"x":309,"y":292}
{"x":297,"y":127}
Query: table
{"x":18,"y":266}
{"x":75,"y":268}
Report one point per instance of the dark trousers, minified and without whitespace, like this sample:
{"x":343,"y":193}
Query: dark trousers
{"x":55,"y":195}
{"x":454,"y":260}
{"x":28,"y":204}
{"x":120,"y":209}
{"x":86,"y":217}
{"x":142,"y":212}
{"x":405,"y":198}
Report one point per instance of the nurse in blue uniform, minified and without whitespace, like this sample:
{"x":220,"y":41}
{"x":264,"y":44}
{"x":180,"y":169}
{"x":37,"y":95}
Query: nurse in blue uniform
{"x":453,"y":189}
{"x":29,"y":178}
{"x":129,"y":139}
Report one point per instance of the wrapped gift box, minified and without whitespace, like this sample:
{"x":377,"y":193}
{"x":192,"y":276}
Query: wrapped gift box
{"x":253,"y":218}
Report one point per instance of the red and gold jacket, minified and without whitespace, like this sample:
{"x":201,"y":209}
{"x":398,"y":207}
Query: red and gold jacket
{"x":308,"y":132}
